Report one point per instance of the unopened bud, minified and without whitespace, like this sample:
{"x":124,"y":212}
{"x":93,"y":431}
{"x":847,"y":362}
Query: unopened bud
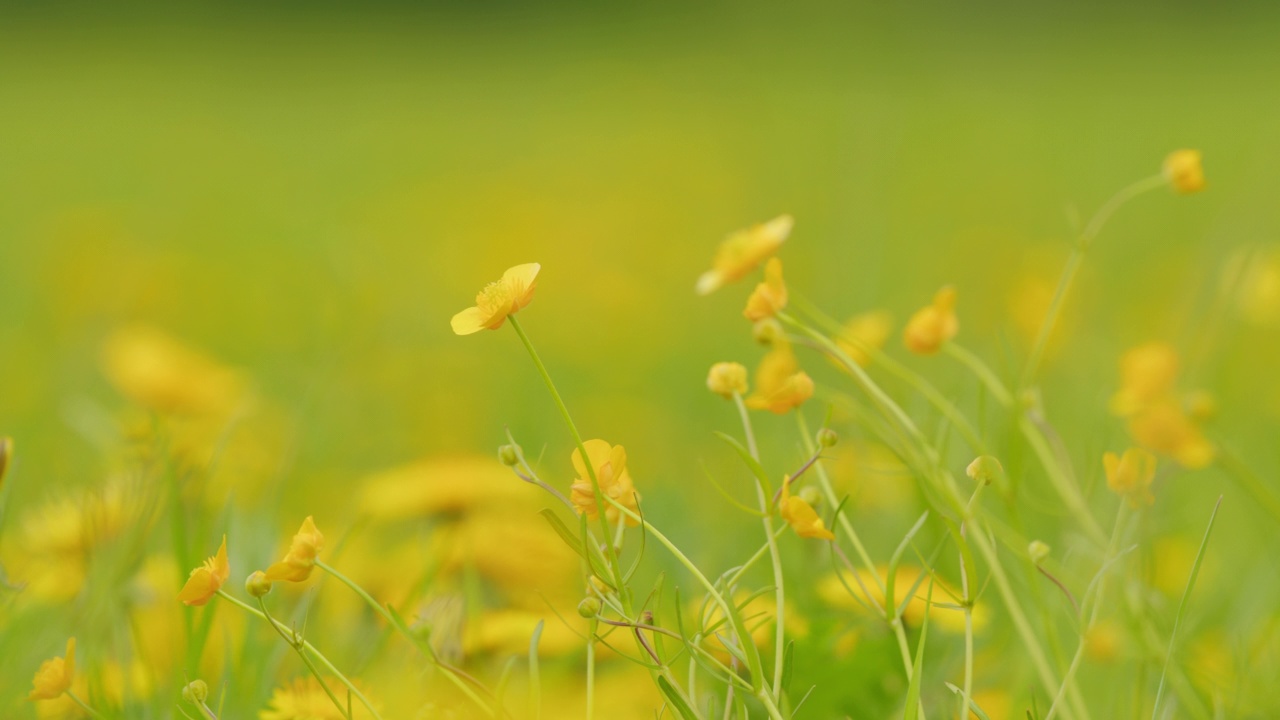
{"x":767,"y":331}
{"x":589,"y":607}
{"x":509,"y":455}
{"x":1038,"y":551}
{"x":984,"y":469}
{"x":196,"y":692}
{"x":727,"y":379}
{"x":257,"y":584}
{"x":828,"y":437}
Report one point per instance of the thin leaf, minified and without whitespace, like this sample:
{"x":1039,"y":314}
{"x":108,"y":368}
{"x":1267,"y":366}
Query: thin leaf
{"x":677,"y":702}
{"x":973,"y":706}
{"x":563,"y":531}
{"x":535,"y":676}
{"x":889,"y":581}
{"x":756,"y":468}
{"x":788,"y":665}
{"x":917,"y":672}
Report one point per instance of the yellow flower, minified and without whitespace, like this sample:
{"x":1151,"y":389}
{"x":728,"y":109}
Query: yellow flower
{"x":305,"y":699}
{"x":801,"y":516}
{"x":742,"y":251}
{"x":1184,"y":172}
{"x":54,"y":676}
{"x":933,"y":325}
{"x":301,"y":558}
{"x":1156,"y":417}
{"x":207,"y":579}
{"x":498,"y":300}
{"x":864,"y":333}
{"x":1130,"y":475}
{"x":943,"y":611}
{"x":1165,"y":427}
{"x":770,"y":296}
{"x":454,"y":484}
{"x":159,"y":373}
{"x":783,"y":395}
{"x":727,"y":378}
{"x":610,"y":464}
{"x":1147,"y":373}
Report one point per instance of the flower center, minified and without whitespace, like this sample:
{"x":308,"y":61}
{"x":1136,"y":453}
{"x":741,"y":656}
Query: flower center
{"x":495,"y":297}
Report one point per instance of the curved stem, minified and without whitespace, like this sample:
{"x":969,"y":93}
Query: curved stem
{"x":291,"y":638}
{"x":83,"y":706}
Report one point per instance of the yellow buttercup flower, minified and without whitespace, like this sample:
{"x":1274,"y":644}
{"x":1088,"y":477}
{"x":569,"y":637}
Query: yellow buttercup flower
{"x":498,"y":300}
{"x":1130,"y":475}
{"x":943,"y":614}
{"x":933,"y":325}
{"x":160,"y":373}
{"x":610,"y":464}
{"x":1166,"y":428}
{"x":305,"y":699}
{"x":864,"y":333}
{"x":801,"y":516}
{"x":301,"y":558}
{"x":1156,"y":417}
{"x":780,"y":384}
{"x":742,"y":251}
{"x":727,"y":378}
{"x":207,"y":579}
{"x":55,"y":675}
{"x":1184,"y":172}
{"x":1148,"y":373}
{"x":770,"y":296}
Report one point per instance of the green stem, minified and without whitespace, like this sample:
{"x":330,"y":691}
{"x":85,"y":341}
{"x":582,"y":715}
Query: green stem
{"x":291,"y":638}
{"x":591,"y":670}
{"x":980,"y":369}
{"x":84,"y":706}
{"x":314,"y":652}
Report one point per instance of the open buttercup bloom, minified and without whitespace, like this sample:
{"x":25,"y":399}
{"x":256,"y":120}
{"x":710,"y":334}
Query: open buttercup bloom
{"x":206,"y":580}
{"x":498,"y":300}
{"x":1130,"y":475}
{"x":1184,"y":171}
{"x":770,"y":296}
{"x":55,"y":675}
{"x":727,"y":378}
{"x":610,"y":464}
{"x":301,"y":558}
{"x":742,"y":251}
{"x":933,"y":325}
{"x":780,"y":384}
{"x":800,"y":515}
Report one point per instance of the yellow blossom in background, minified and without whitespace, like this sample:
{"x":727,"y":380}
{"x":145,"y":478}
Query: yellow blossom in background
{"x":1183,"y":170}
{"x":305,"y":699}
{"x":301,"y":558}
{"x":507,"y":632}
{"x":610,"y":464}
{"x":770,"y":296}
{"x":864,"y":333}
{"x":1103,"y":641}
{"x":1130,"y":475}
{"x":933,"y":325}
{"x":1166,"y":428}
{"x":206,"y":580}
{"x":1156,"y":418}
{"x":543,"y":566}
{"x":742,"y":251}
{"x":160,"y":373}
{"x":1251,"y":279}
{"x":55,"y":675}
{"x":727,"y":378}
{"x":949,"y":619}
{"x":780,"y":384}
{"x":1148,"y":373}
{"x":498,"y":300}
{"x":454,"y":484}
{"x":801,"y":516}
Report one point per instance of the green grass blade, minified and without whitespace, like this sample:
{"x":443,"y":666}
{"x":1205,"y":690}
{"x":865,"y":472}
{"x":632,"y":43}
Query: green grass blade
{"x":535,"y":675}
{"x":673,"y":698}
{"x":913,"y":690}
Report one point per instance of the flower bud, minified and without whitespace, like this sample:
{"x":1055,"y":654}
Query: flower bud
{"x":589,"y":607}
{"x":257,"y":584}
{"x":810,"y":495}
{"x":6,"y":452}
{"x":767,"y":331}
{"x":827,"y":438}
{"x":1183,"y":171}
{"x":196,"y":692}
{"x":1038,"y":551}
{"x":509,"y":455}
{"x":727,"y":378}
{"x":984,"y":469}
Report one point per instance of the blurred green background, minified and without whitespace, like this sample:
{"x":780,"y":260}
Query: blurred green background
{"x":310,"y":192}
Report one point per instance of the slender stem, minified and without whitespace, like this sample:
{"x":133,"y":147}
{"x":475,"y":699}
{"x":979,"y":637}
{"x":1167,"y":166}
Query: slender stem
{"x":591,"y":671}
{"x":981,"y":370}
{"x":291,"y":638}
{"x":83,"y":706}
{"x":314,"y":652}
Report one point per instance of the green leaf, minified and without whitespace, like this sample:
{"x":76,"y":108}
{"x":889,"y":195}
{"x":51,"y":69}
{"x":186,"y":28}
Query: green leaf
{"x":535,"y":676}
{"x":913,"y":690}
{"x":788,"y":659}
{"x":890,"y":601}
{"x":973,"y":706}
{"x":677,"y":702}
{"x":756,"y":468}
{"x":563,"y":531}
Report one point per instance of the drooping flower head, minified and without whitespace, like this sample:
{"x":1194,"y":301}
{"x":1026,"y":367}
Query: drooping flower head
{"x":727,"y":378}
{"x":301,"y":558}
{"x":1184,"y":172}
{"x":207,"y":579}
{"x":933,"y":324}
{"x":781,"y":385}
{"x":498,"y":300}
{"x":801,"y":516}
{"x":55,"y":675}
{"x":742,"y":251}
{"x":1130,"y":475}
{"x":770,"y":296}
{"x":610,"y":465}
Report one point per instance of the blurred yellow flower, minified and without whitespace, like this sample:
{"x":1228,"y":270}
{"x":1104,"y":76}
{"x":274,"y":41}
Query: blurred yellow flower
{"x":498,"y":300}
{"x":727,"y":378}
{"x":1166,"y":428}
{"x":54,"y":676}
{"x":1130,"y":475}
{"x":780,"y":384}
{"x":1103,"y":641}
{"x":1183,"y":170}
{"x":1155,"y":416}
{"x":159,"y":373}
{"x":801,"y":516}
{"x":947,"y":617}
{"x":207,"y":579}
{"x":864,"y":333}
{"x":301,"y":558}
{"x":440,"y":485}
{"x":742,"y":251}
{"x":770,"y":296}
{"x":1148,"y":373}
{"x":305,"y":699}
{"x":508,"y":632}
{"x":610,"y":464}
{"x":933,"y":325}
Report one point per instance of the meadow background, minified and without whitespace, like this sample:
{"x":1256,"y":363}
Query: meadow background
{"x":309,"y":193}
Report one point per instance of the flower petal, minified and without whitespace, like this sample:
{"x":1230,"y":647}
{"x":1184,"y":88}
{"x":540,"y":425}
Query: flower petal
{"x":471,"y":320}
